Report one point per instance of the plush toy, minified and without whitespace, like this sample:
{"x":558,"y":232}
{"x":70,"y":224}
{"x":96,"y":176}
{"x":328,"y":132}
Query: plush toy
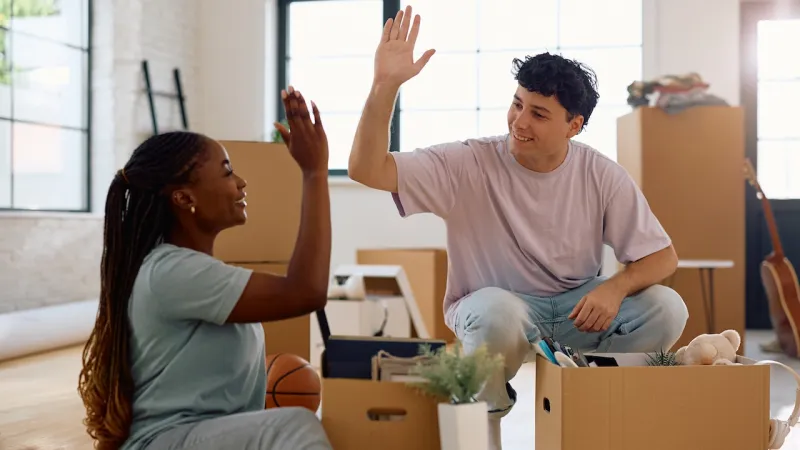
{"x":711,"y":349}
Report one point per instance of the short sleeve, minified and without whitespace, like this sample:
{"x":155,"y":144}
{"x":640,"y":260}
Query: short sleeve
{"x":191,"y":285}
{"x":427,"y":179}
{"x":630,"y":227}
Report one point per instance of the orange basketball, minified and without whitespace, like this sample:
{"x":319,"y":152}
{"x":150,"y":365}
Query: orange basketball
{"x":291,"y":381}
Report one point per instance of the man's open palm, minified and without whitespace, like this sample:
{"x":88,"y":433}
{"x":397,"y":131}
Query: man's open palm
{"x":394,"y":58}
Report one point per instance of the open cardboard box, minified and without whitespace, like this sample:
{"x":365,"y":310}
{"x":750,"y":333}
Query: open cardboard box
{"x":359,"y":413}
{"x":636,"y":407}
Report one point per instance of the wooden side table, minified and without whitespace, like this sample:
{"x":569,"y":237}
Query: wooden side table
{"x":705,"y":266}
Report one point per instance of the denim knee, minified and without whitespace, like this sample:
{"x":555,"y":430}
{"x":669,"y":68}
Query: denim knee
{"x":495,"y":317}
{"x":667,"y":315}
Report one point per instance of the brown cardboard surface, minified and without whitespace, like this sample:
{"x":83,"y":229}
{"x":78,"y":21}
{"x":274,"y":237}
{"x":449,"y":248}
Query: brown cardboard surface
{"x":426,"y":269}
{"x":654,"y":408}
{"x":346,"y":408}
{"x":289,"y":335}
{"x":274,"y":189}
{"x":689,"y":167}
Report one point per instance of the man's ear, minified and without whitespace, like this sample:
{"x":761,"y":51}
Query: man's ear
{"x":182,"y":198}
{"x":575,"y":126}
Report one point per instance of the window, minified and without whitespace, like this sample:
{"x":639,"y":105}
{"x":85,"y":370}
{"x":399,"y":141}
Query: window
{"x":778,"y":91}
{"x":44,"y":107}
{"x":466,"y":88}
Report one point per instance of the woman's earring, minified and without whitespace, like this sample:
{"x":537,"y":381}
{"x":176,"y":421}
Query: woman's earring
{"x":192,"y":209}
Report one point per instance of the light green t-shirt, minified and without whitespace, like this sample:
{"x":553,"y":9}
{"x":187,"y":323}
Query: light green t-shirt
{"x":187,"y":363}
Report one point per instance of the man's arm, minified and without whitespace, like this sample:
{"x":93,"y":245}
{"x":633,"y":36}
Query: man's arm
{"x":645,"y":272}
{"x":370,"y":162}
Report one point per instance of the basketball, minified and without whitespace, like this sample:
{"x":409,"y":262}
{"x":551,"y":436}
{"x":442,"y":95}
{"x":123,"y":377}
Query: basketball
{"x":291,"y":381}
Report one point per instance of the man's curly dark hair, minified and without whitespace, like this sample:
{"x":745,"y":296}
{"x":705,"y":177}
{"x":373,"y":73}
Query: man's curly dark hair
{"x":574,"y":84}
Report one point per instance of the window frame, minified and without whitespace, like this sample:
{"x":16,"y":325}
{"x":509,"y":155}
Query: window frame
{"x":86,"y":130}
{"x":390,"y":8}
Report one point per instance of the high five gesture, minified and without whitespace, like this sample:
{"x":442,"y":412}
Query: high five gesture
{"x":394,"y":58}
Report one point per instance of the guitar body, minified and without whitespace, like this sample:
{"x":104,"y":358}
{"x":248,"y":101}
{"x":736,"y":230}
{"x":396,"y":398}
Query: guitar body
{"x":783,"y":293}
{"x":779,"y":279}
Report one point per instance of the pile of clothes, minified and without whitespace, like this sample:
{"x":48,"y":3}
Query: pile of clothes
{"x":672,"y":93}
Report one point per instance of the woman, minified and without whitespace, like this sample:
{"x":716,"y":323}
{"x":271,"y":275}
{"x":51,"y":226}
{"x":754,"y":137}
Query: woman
{"x":176,"y":357}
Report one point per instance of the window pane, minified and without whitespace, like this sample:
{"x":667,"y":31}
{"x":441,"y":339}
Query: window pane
{"x":49,"y":167}
{"x":313,"y":31}
{"x":501,"y":28}
{"x":492,"y":122}
{"x":49,"y":82}
{"x":601,"y":132}
{"x":425,"y":128}
{"x":595,"y":23}
{"x":777,"y":166}
{"x":334,"y":84}
{"x":447,"y":25}
{"x":58,"y":20}
{"x":777,"y":49}
{"x":5,"y":73}
{"x":449,"y":81}
{"x":616,"y":68}
{"x":776,"y":100}
{"x":496,"y":83}
{"x":5,"y":164}
{"x":340,"y":129}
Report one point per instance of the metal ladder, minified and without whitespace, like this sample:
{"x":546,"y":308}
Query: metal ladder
{"x":178,"y":94}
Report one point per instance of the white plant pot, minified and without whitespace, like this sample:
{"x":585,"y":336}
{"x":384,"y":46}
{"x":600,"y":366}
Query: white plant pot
{"x":464,"y":426}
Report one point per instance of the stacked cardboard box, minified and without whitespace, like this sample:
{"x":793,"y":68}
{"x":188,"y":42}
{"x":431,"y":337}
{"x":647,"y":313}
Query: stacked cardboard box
{"x":266,"y":242}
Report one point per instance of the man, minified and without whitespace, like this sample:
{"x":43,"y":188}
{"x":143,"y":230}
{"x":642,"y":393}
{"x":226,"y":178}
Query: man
{"x":527,"y":215}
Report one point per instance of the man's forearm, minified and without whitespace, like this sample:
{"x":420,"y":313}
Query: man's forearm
{"x":371,"y":143}
{"x":645,"y":272}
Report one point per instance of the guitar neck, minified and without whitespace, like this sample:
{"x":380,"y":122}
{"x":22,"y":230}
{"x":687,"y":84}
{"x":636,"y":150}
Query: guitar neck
{"x":777,"y":248}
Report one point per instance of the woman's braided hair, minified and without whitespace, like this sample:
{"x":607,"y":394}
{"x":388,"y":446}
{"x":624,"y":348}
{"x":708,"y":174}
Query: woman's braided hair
{"x":137,"y":218}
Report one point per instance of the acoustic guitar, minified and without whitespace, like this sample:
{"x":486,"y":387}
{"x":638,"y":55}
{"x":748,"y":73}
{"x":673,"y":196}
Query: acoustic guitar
{"x":779,"y":279}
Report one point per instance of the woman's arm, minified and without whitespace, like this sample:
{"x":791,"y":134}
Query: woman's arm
{"x":304,"y":289}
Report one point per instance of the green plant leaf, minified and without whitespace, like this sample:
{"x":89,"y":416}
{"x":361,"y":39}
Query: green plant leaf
{"x":454,"y":375}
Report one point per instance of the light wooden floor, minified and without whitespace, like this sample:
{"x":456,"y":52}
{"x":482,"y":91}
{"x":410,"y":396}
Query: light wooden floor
{"x":40,"y":408}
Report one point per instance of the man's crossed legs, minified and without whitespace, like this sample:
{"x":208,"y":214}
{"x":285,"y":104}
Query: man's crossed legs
{"x":508,"y":323}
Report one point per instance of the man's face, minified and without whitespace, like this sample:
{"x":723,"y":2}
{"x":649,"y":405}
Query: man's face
{"x":538,"y":124}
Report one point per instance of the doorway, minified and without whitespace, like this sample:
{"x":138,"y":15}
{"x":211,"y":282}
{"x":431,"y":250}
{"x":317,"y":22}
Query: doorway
{"x":770,"y":95}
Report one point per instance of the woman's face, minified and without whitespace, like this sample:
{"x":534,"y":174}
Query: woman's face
{"x":216,"y":192}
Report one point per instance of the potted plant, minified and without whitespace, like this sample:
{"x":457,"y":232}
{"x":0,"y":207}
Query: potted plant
{"x":458,"y":377}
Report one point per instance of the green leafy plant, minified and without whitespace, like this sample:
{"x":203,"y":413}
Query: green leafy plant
{"x":276,"y":135}
{"x":454,"y":375}
{"x":662,"y":358}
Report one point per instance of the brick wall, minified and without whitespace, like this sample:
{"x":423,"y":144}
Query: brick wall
{"x":51,"y":259}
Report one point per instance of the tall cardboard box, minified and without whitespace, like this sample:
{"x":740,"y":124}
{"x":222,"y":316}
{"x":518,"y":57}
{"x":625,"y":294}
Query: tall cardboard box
{"x":634,"y":407}
{"x":426,"y":269}
{"x":689,"y":167}
{"x":266,"y":241}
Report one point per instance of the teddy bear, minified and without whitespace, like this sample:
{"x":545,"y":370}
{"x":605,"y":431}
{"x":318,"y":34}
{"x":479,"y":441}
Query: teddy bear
{"x":710,"y":349}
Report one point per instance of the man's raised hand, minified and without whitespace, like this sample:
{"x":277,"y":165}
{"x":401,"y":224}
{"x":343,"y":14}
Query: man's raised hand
{"x":394,"y":58}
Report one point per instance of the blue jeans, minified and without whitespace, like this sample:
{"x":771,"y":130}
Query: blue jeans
{"x":508,"y":323}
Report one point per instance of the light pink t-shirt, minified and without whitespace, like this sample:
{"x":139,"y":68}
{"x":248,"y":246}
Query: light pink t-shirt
{"x":533,"y":233}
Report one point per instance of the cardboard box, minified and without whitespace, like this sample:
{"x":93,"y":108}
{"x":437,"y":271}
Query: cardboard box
{"x":289,"y":335}
{"x":653,"y":408}
{"x":675,"y":158}
{"x":274,"y":198}
{"x":351,"y":409}
{"x":426,"y":269}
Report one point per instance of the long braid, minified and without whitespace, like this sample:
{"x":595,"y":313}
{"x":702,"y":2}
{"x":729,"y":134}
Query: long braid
{"x":137,"y":218}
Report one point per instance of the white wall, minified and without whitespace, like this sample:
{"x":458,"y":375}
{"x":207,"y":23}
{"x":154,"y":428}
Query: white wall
{"x":683,"y":36}
{"x":227,"y":55}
